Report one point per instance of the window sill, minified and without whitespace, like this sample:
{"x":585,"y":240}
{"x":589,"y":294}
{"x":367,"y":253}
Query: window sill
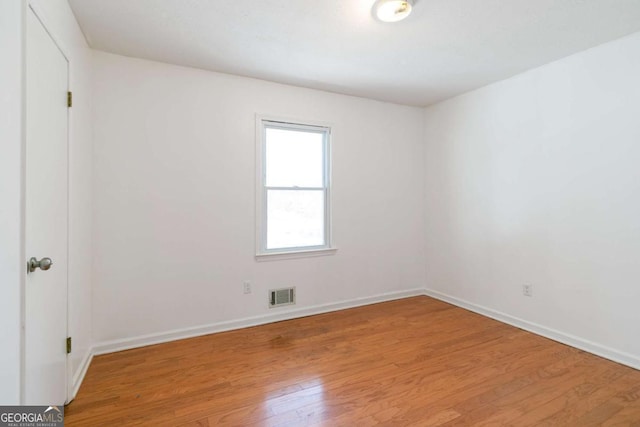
{"x":274,"y":256}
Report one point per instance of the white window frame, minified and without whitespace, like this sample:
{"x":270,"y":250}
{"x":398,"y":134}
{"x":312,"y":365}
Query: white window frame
{"x":262,"y":253}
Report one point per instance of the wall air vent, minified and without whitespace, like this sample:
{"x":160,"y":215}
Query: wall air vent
{"x":284,"y":296}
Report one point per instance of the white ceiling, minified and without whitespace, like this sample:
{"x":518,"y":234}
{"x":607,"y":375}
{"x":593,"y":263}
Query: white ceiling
{"x":446,"y":47}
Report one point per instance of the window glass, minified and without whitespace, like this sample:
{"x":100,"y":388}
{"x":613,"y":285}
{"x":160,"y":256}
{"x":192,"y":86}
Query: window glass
{"x":294,"y":158}
{"x":294,"y":198}
{"x":295,"y":219}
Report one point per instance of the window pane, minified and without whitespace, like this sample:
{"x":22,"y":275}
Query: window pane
{"x":295,"y":218}
{"x":294,"y":158}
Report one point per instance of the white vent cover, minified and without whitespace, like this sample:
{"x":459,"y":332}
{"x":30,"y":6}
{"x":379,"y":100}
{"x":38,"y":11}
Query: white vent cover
{"x":284,"y":296}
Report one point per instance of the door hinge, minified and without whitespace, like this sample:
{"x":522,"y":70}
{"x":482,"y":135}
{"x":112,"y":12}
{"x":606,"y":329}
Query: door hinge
{"x":69,"y":99}
{"x":68,"y":345}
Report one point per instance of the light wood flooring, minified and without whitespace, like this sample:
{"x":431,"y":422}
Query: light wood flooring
{"x":416,"y":361}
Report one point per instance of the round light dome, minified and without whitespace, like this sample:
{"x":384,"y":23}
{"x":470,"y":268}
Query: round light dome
{"x":392,"y":10}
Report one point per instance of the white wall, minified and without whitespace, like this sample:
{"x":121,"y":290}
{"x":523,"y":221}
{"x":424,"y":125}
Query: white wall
{"x":175,"y":198}
{"x":11,"y":173}
{"x":536,"y":180}
{"x":60,"y":22}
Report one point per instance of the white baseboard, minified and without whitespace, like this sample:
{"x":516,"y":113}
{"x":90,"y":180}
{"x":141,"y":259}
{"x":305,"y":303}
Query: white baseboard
{"x":571,"y":340}
{"x":79,"y":375}
{"x":178,"y":334}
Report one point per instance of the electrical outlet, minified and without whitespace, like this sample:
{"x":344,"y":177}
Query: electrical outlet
{"x":527,"y":290}
{"x":246,"y":286}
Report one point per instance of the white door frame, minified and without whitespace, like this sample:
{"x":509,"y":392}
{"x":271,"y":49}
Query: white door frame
{"x":41,"y":16}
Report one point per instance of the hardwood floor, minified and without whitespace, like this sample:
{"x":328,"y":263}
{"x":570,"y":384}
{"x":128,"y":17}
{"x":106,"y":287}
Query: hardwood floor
{"x":411,"y":362}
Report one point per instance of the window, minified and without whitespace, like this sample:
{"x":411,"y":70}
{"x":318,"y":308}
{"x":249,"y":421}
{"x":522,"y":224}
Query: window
{"x":293,"y":193}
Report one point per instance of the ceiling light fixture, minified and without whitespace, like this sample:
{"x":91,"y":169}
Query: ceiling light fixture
{"x":392,"y":10}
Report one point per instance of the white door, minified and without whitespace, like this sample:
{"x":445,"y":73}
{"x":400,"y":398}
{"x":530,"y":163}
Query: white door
{"x":46,"y":218}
